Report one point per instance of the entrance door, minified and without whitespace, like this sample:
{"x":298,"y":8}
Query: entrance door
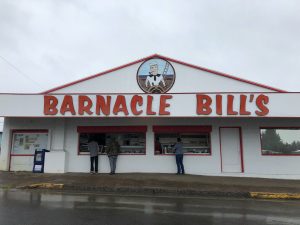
{"x":231,"y":150}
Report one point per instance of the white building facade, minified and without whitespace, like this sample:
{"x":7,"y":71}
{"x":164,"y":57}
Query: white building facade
{"x":1,"y":130}
{"x":228,"y":126}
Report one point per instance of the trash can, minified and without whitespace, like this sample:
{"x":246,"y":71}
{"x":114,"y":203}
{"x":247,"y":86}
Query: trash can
{"x":39,"y":160}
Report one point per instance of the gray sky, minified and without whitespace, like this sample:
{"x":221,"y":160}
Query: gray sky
{"x":49,"y":43}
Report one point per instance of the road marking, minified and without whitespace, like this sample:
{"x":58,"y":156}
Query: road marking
{"x":270,"y":195}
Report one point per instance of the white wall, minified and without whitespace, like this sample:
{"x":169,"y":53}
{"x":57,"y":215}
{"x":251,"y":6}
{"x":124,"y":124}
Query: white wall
{"x":56,"y":138}
{"x":64,"y":136}
{"x":1,"y":124}
{"x":1,"y":130}
{"x":187,"y":78}
{"x":179,"y":105}
{"x":256,"y":164}
{"x":139,"y":163}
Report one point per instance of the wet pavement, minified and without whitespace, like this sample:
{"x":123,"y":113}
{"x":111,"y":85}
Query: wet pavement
{"x":19,"y":207}
{"x":147,"y":182}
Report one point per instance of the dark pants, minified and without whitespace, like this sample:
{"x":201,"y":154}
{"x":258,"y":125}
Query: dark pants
{"x":94,"y":162}
{"x":179,"y":163}
{"x":113,"y":163}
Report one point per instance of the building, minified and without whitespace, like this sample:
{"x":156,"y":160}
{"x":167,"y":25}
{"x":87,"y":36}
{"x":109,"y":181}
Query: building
{"x":1,"y":131}
{"x":229,"y":126}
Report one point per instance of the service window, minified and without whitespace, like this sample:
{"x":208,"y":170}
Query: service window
{"x":26,"y":142}
{"x":196,"y":141}
{"x":280,"y":141}
{"x":131,"y":142}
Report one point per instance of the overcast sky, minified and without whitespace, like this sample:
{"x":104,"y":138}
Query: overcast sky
{"x":46,"y":43}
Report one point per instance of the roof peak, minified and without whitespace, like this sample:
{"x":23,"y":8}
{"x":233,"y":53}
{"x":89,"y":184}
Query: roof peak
{"x":156,"y":55}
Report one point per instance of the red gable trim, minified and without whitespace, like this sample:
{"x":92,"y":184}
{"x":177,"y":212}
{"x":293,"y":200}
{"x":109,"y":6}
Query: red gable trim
{"x":98,"y":74}
{"x":169,"y":59}
{"x":182,"y":129}
{"x":223,"y":74}
{"x":111,"y":129}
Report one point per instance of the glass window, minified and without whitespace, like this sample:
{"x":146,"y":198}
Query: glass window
{"x":130,"y":143}
{"x":193,"y":143}
{"x":280,"y":141}
{"x":27,"y":142}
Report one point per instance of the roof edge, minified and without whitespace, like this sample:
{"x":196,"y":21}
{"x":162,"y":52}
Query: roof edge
{"x":223,"y":74}
{"x":169,"y":59}
{"x":98,"y":74}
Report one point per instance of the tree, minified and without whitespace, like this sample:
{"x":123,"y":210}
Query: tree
{"x":271,"y":140}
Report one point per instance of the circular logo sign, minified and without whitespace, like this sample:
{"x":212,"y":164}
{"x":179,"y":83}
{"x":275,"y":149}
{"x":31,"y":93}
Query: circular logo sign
{"x":156,"y":76}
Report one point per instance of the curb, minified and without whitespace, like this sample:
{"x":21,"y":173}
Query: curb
{"x":164,"y":191}
{"x":135,"y":190}
{"x":270,"y":195}
{"x":156,"y":191}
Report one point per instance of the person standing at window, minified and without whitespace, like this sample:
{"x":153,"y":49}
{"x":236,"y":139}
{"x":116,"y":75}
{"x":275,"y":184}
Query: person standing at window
{"x":94,"y":150}
{"x":113,"y":150}
{"x":179,"y":156}
{"x":157,"y":146}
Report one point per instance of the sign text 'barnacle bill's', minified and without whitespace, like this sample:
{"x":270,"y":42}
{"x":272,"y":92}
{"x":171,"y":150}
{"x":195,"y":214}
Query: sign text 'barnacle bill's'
{"x":157,"y":105}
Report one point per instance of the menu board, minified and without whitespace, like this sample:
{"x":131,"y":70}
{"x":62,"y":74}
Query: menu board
{"x":27,"y":143}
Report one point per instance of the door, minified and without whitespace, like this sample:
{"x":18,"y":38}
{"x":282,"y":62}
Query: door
{"x":231,"y":150}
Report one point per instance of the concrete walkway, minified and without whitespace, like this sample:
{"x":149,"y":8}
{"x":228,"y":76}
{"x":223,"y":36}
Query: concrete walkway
{"x":141,"y":183}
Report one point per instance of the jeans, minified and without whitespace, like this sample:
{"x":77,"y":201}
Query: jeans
{"x":112,"y":163}
{"x":94,"y":161}
{"x":179,"y":163}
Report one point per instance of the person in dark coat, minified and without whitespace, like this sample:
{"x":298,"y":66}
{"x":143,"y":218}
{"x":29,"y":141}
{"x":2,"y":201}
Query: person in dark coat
{"x":179,"y":156}
{"x":94,"y":150}
{"x":113,"y":150}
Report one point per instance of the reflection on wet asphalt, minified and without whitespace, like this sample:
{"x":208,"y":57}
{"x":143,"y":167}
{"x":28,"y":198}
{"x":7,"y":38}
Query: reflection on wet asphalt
{"x":41,"y":208}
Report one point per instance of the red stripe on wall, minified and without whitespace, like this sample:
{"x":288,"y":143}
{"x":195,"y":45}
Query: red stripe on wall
{"x":111,"y":129}
{"x":181,"y":129}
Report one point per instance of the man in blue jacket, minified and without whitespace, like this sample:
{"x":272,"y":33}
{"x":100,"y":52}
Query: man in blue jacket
{"x":179,"y":156}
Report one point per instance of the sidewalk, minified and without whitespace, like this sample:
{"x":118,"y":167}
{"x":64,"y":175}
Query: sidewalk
{"x":144,"y":183}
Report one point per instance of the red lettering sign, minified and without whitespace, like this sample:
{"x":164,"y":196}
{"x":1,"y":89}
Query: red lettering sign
{"x":163,"y":104}
{"x":149,"y":105}
{"x":203,"y":105}
{"x":50,"y":103}
{"x":219,"y":105}
{"x":67,"y":105}
{"x":136,"y":100}
{"x":230,"y":111}
{"x":206,"y":104}
{"x":84,"y":105}
{"x":120,"y":105}
{"x":243,"y":111}
{"x":102,"y":105}
{"x":261,"y":102}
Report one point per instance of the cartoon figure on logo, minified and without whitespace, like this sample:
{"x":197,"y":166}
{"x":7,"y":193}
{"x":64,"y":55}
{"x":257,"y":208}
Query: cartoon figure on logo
{"x":156,"y":75}
{"x":154,"y":78}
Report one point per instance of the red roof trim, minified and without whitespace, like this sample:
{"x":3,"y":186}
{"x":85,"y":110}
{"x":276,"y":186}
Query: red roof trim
{"x":222,"y":74}
{"x":98,"y":74}
{"x":111,"y":129}
{"x":169,"y":59}
{"x":181,"y":129}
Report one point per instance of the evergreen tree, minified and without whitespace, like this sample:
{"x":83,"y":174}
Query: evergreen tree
{"x":271,"y":140}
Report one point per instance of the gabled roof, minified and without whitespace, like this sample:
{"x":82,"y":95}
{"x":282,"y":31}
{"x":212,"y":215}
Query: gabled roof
{"x":171,"y":60}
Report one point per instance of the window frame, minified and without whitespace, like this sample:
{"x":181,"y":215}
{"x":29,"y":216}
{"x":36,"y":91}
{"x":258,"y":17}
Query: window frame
{"x":13,"y":131}
{"x":111,"y":129}
{"x":276,"y":127}
{"x":183,"y":129}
